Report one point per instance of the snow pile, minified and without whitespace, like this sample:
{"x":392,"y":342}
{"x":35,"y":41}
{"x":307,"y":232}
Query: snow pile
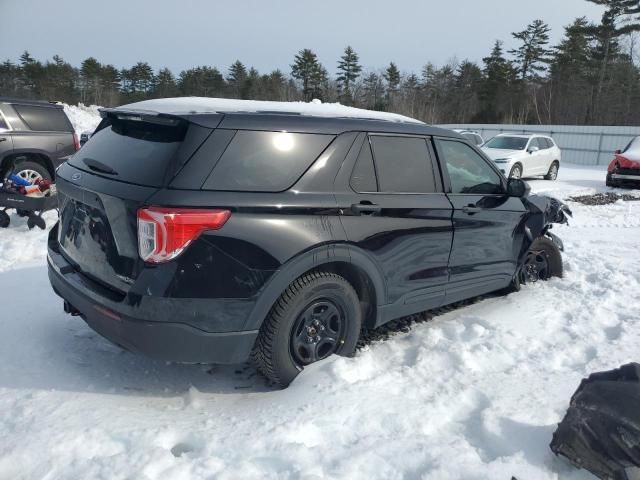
{"x":83,"y":117}
{"x":314,"y":108}
{"x":474,"y":393}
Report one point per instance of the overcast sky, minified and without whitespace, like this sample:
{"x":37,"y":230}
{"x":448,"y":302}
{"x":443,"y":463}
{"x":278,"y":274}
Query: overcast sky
{"x":267,"y":33}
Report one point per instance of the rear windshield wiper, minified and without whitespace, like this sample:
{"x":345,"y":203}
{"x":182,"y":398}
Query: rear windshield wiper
{"x":100,"y":167}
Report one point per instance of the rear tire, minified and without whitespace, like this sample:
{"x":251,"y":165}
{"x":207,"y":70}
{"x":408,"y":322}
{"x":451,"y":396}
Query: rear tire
{"x":296,"y":332}
{"x":5,"y":220}
{"x":31,"y":171}
{"x":552,"y":174}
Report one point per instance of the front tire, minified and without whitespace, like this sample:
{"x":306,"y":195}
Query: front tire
{"x":553,"y":172}
{"x":516,"y":171}
{"x":542,"y":262}
{"x":316,"y":316}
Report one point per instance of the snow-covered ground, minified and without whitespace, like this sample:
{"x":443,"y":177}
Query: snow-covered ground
{"x":473,"y":394}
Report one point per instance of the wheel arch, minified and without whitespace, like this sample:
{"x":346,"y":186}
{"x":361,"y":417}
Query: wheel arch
{"x":35,"y":155}
{"x":343,"y":259}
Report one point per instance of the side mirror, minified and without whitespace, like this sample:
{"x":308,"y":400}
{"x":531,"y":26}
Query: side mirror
{"x":516,"y":187}
{"x":618,"y":152}
{"x":533,"y":149}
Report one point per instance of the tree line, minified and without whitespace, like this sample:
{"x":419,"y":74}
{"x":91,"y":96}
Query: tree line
{"x":590,"y":77}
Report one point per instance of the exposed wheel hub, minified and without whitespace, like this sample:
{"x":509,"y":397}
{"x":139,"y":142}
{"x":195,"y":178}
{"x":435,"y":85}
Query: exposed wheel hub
{"x":536,"y":267}
{"x":317,"y":332}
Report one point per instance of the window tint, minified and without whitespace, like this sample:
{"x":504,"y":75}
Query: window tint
{"x":549,"y":142}
{"x":403,"y":164}
{"x":468,"y":171}
{"x":44,"y":119}
{"x":138,"y":152}
{"x":265,"y":161}
{"x":3,"y":124}
{"x":363,"y":178}
{"x":507,"y":143}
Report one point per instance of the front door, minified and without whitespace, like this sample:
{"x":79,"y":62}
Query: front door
{"x":396,"y":213}
{"x":486,"y":242}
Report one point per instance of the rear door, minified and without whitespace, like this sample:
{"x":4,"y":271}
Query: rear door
{"x":396,"y":212}
{"x":49,"y":132}
{"x":485,"y":239}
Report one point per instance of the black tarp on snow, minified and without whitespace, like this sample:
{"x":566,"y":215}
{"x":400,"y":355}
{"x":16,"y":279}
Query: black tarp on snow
{"x":601,"y":430}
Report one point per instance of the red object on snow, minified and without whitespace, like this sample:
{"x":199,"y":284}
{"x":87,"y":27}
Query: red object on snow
{"x":624,"y":169}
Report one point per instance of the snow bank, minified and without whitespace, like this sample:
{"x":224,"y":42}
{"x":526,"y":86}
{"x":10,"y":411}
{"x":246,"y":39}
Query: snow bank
{"x":83,"y":117}
{"x":313,"y":108}
{"x":473,"y":394}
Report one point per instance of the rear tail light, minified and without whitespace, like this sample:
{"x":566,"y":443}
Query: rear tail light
{"x":76,"y":142}
{"x":164,"y":233}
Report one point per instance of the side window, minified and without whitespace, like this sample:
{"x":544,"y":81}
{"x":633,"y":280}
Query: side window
{"x":44,"y":119}
{"x":265,"y":161}
{"x":3,"y":125}
{"x":468,"y":171}
{"x":549,"y":143}
{"x":363,"y":178}
{"x":403,"y":164}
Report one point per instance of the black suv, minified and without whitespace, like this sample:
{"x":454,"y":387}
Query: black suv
{"x":216,"y":237}
{"x":36,"y":136}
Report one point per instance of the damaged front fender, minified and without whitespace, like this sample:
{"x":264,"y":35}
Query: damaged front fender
{"x":543,"y":212}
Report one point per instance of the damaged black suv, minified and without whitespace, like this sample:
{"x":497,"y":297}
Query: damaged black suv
{"x":195,"y":232}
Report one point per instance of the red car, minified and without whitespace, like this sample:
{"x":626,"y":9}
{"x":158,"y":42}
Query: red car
{"x":624,"y":169}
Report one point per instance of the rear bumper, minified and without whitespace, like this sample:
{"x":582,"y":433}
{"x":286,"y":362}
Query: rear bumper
{"x":170,"y":341}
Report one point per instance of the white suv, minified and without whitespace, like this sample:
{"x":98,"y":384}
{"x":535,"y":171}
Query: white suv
{"x":524,"y":155}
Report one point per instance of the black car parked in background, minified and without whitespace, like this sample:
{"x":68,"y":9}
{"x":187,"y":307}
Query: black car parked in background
{"x":216,"y":236}
{"x":35,"y":135}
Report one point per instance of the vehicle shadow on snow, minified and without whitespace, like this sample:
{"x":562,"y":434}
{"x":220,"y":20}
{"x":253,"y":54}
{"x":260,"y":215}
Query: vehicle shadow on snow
{"x":42,"y":348}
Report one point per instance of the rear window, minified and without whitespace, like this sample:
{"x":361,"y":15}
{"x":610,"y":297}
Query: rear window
{"x":265,"y":161}
{"x":44,"y":119}
{"x":134,"y":151}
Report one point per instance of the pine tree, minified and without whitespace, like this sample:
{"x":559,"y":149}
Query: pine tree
{"x":392,"y":76}
{"x":307,"y":69}
{"x":348,"y":72}
{"x":165,"y":85}
{"x":496,"y":83}
{"x":533,"y":54}
{"x":236,"y":79}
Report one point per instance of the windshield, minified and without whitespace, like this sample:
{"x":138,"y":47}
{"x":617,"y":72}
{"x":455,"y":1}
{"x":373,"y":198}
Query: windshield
{"x":507,"y":143}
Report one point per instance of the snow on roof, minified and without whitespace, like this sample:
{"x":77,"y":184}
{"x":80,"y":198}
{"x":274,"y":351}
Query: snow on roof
{"x":184,"y":105}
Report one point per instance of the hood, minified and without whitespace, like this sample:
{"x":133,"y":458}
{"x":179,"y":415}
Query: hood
{"x":496,"y":153}
{"x":628,"y":161}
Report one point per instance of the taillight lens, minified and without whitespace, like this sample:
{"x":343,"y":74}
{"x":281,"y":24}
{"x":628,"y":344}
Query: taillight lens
{"x":76,"y":142}
{"x":164,"y":233}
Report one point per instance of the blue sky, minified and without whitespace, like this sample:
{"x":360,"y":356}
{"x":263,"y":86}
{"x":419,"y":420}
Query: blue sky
{"x":266,"y":34}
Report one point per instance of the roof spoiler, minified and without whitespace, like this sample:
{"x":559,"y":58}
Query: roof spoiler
{"x":147,"y":116}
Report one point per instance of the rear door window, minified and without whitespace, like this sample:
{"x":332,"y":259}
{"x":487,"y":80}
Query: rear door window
{"x":44,"y":119}
{"x":403,"y":164}
{"x":363,"y":178}
{"x":265,"y":161}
